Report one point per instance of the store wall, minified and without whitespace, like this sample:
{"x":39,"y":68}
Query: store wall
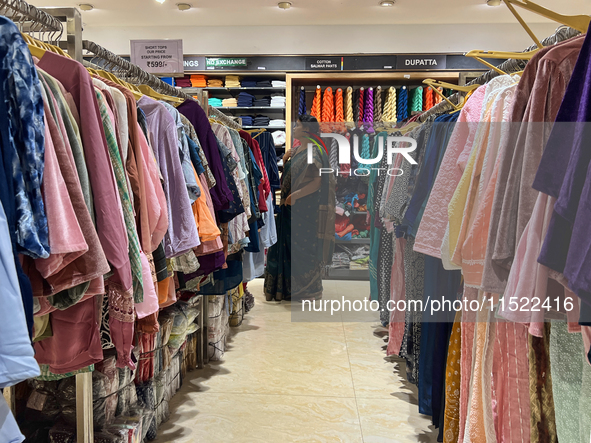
{"x":301,"y":40}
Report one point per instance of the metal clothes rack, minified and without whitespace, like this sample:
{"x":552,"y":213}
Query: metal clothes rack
{"x":31,"y":19}
{"x":509,"y":66}
{"x":129,"y":72}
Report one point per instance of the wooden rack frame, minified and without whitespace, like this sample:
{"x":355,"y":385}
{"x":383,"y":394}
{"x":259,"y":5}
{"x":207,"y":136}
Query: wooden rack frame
{"x":295,"y":81}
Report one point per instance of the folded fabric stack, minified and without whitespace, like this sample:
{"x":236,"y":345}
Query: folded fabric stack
{"x":183,"y":82}
{"x":215,"y":83}
{"x":168,"y":80}
{"x":278,"y":84}
{"x":249,"y":82}
{"x":279,"y":138}
{"x":262,"y":102}
{"x":278,"y":101}
{"x":232,"y":81}
{"x":245,"y":100}
{"x":199,"y":81}
{"x":277,"y":123}
{"x":264,"y":84}
{"x":230,"y":103}
{"x":246,"y":120}
{"x":261,"y":120}
{"x":215,"y":102}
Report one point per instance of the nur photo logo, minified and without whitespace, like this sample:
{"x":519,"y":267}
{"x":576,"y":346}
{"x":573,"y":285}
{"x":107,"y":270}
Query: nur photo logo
{"x":390,"y":146}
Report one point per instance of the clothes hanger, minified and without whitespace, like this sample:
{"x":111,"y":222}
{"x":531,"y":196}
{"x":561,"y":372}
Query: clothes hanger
{"x":436,"y":84}
{"x":260,"y":132}
{"x":145,"y":89}
{"x":479,"y":55}
{"x":578,"y":22}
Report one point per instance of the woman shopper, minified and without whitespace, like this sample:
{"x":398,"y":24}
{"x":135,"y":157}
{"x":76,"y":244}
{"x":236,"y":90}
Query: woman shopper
{"x":305,"y":224}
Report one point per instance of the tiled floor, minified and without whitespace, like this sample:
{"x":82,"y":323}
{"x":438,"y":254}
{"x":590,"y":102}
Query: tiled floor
{"x":283,"y":381}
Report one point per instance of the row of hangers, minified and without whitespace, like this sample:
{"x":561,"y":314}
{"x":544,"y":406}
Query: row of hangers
{"x":577,"y":22}
{"x":39,"y":48}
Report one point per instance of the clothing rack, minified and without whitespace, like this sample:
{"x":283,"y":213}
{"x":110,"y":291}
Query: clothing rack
{"x":509,"y":66}
{"x":35,"y":19}
{"x":228,"y":121}
{"x":130,"y":72}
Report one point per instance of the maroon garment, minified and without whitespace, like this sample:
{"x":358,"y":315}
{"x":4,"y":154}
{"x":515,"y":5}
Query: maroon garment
{"x":220,"y":193}
{"x":110,"y":227}
{"x":265,"y":185}
{"x":76,"y":340}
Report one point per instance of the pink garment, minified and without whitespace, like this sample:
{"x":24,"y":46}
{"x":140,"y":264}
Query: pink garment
{"x":150,"y":303}
{"x":434,"y":222}
{"x":76,"y":340}
{"x":510,"y":375}
{"x":529,"y":284}
{"x":480,"y":425}
{"x":66,"y":240}
{"x":156,"y":199}
{"x":468,"y":331}
{"x":398,"y":292}
{"x":93,"y":263}
{"x":210,"y":246}
{"x":472,"y":250}
{"x":110,"y":226}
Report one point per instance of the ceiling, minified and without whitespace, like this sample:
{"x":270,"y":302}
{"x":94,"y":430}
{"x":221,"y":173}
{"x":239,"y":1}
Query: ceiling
{"x":118,"y":13}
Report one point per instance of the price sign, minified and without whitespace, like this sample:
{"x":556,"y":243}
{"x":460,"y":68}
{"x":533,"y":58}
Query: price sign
{"x":158,"y":57}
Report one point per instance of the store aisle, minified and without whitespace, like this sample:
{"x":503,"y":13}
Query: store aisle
{"x":298,"y":382}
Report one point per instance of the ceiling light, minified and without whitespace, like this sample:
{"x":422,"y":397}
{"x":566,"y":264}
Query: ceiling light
{"x":160,"y":1}
{"x":284,"y":5}
{"x":86,"y":7}
{"x":387,"y":3}
{"x":493,"y":2}
{"x":183,"y":6}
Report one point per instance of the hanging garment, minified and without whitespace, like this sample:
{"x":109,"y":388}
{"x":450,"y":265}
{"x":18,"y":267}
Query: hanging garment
{"x":416,"y":105}
{"x":182,"y":233}
{"x":433,"y":224}
{"x":302,"y":103}
{"x":17,"y":361}
{"x":571,"y":381}
{"x":402,"y":105}
{"x":398,"y":294}
{"x":434,"y":152}
{"x":377,"y":105}
{"x":316,"y":110}
{"x":220,"y":193}
{"x":537,"y":99}
{"x":328,"y":106}
{"x":349,"y":105}
{"x":566,"y":246}
{"x":109,"y":222}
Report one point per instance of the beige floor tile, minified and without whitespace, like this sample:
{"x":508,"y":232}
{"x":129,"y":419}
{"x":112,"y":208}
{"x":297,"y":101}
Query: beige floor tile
{"x":393,"y":420}
{"x":286,"y":381}
{"x":214,"y":418}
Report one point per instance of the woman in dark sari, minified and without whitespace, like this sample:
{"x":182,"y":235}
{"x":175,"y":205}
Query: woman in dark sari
{"x":305,"y":225}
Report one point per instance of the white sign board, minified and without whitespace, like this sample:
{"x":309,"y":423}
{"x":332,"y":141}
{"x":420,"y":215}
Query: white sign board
{"x":158,"y":57}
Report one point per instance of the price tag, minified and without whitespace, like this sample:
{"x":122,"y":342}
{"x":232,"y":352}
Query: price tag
{"x":159,"y":57}
{"x":262,"y":68}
